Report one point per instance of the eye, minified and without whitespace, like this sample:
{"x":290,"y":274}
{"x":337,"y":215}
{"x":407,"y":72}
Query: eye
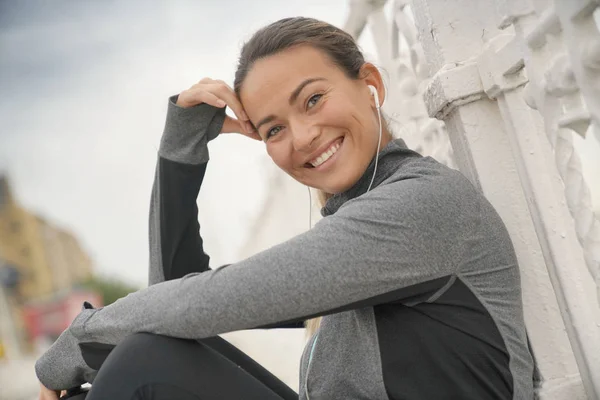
{"x":273,"y":131}
{"x":313,"y":100}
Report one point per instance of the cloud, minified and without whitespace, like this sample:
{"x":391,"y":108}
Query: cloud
{"x":87,"y":86}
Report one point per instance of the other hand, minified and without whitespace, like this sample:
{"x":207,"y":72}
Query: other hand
{"x":49,"y":394}
{"x":219,"y":94}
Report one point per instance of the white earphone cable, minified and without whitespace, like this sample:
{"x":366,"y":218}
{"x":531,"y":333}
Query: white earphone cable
{"x":378,"y":148}
{"x":309,"y":209}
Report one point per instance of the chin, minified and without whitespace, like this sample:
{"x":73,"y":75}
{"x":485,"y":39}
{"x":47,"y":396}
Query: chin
{"x":335,"y":183}
{"x":340,"y":185}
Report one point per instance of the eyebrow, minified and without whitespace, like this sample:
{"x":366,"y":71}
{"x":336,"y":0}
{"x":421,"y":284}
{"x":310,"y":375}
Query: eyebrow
{"x":292,"y":99}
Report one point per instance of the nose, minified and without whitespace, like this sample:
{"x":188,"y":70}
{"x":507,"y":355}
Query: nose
{"x":304,"y":137}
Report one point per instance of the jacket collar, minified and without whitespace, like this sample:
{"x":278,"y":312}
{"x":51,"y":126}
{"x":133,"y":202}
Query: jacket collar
{"x":390,"y":159}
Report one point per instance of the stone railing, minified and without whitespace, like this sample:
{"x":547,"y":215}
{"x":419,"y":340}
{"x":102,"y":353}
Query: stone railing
{"x":557,"y":43}
{"x":513,"y":81}
{"x":562,"y":59}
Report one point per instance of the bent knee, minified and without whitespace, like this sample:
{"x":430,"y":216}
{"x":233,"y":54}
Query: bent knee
{"x":148,"y":351}
{"x":149,"y":346}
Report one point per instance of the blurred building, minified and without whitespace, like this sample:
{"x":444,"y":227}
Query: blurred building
{"x":42,"y":265}
{"x":21,"y":246}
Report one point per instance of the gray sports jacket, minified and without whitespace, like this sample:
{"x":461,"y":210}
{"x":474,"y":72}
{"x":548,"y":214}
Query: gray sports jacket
{"x":417,"y":281}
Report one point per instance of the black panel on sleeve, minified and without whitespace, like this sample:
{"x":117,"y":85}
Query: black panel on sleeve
{"x":182,"y":248}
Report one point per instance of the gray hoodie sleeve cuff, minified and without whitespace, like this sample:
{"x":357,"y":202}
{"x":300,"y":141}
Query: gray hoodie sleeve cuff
{"x":62,"y":366}
{"x":188,"y":131}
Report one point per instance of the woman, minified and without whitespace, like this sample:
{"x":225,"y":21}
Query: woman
{"x":411,"y":268}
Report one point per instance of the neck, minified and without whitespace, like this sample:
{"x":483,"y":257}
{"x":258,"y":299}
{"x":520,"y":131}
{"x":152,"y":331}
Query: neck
{"x":385,"y":138}
{"x":391,"y":156}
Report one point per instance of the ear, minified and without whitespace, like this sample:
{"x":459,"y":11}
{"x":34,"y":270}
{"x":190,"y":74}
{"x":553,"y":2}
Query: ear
{"x":370,"y":75}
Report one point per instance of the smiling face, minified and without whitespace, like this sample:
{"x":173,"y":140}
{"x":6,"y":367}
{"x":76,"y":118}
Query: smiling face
{"x":319,"y":126}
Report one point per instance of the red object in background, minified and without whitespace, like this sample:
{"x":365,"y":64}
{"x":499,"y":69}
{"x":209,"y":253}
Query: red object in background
{"x":51,"y":318}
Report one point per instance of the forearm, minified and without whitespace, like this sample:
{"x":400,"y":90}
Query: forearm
{"x":336,"y":266}
{"x":176,"y":247}
{"x":304,"y":277}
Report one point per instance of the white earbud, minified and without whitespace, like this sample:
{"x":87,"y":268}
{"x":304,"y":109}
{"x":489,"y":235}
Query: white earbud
{"x":378,"y":107}
{"x":375,"y":95}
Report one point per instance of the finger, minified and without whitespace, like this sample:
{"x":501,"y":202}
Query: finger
{"x":222,"y":82}
{"x":206,"y":95}
{"x":198,"y":96}
{"x":251,"y":132}
{"x":254,"y":135}
{"x":48,"y":395}
{"x":205,"y":80}
{"x":216,"y":95}
{"x":224,"y":92}
{"x":232,"y":125}
{"x":229,"y":89}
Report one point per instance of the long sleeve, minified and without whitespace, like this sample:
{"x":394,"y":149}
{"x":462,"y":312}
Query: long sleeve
{"x":398,"y":242}
{"x":360,"y":256}
{"x":176,"y":246}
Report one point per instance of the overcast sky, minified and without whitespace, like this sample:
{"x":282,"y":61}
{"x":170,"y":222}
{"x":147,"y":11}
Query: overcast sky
{"x":84,"y":92}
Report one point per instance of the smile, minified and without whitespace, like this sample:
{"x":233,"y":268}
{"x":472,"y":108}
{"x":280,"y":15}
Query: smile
{"x":326,"y":155}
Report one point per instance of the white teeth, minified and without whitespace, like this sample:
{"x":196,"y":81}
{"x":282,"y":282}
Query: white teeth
{"x":325,"y":156}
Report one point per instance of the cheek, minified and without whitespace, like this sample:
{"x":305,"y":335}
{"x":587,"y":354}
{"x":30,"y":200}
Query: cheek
{"x":344,"y":115}
{"x":280,"y":156}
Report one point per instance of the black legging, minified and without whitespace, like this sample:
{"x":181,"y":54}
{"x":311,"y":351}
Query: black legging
{"x":147,"y":366}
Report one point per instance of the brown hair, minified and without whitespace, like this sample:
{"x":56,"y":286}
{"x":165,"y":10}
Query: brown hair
{"x":337,"y":44}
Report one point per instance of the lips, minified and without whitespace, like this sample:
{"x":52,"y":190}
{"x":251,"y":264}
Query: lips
{"x":326,"y":155}
{"x":321,"y":156}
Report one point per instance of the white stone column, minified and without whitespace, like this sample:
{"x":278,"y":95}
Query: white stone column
{"x":500,"y":145}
